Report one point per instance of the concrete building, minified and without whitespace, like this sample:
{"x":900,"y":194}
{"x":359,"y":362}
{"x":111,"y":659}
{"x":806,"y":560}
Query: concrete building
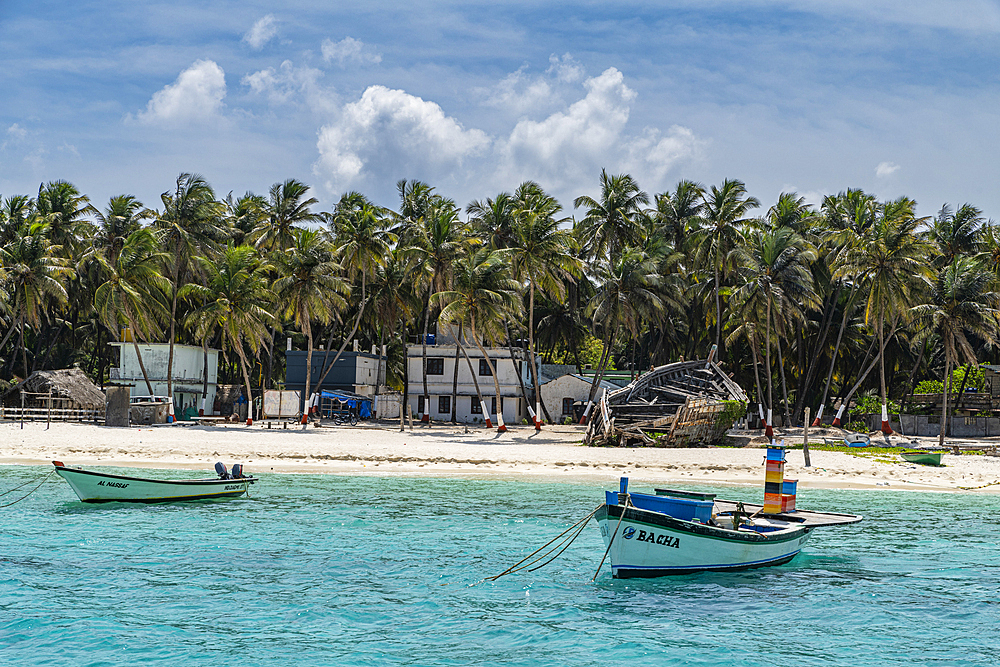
{"x":441,"y":363}
{"x":562,"y":393}
{"x":189,"y":371}
{"x":358,"y":372}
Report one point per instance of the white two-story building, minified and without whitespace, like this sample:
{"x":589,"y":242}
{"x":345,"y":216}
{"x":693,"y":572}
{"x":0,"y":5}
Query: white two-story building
{"x":441,"y":368}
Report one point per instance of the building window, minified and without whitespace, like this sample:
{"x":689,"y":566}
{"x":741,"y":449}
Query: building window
{"x":444,"y":405}
{"x":484,"y":368}
{"x":568,"y":406}
{"x":477,"y":409}
{"x":435,"y":366}
{"x":420,"y":404}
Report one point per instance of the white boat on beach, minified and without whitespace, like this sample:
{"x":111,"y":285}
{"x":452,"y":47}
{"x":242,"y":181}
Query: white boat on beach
{"x":101,"y":487}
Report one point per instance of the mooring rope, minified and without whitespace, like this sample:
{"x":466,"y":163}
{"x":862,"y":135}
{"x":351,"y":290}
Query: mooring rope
{"x":28,"y":493}
{"x":628,"y":501}
{"x":529,"y":560}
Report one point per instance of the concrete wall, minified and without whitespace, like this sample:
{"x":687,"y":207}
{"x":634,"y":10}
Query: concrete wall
{"x":188,"y":371}
{"x":354,"y":371}
{"x":567,"y":386}
{"x":441,"y":385}
{"x":930,"y":425}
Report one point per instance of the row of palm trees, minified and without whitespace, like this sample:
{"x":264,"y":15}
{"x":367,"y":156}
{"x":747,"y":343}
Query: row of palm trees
{"x":797,"y":300}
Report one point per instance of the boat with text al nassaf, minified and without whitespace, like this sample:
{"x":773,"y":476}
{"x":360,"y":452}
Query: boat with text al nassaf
{"x":679,"y":532}
{"x":101,"y":487}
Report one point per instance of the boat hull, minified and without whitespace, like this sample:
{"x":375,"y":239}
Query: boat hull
{"x":98,"y":487}
{"x":923,"y":458}
{"x":650,"y":544}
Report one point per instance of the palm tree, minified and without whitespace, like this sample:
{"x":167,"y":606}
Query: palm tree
{"x":725,"y":209}
{"x":361,"y":245}
{"x":773,"y":269}
{"x":625,"y":296}
{"x":610,"y":225}
{"x":962,"y":302}
{"x":35,"y":277}
{"x":235,"y":301}
{"x":492,"y":220}
{"x":539,"y":253}
{"x":310,"y":288}
{"x":122,"y":216}
{"x":891,"y":260}
{"x":132,"y":293}
{"x":676,"y":212}
{"x":957,"y":233}
{"x":287,"y":207}
{"x":189,"y":225}
{"x":433,"y":243}
{"x":392,"y":302}
{"x":483,"y":298}
{"x":63,"y":207}
{"x":244,"y":215}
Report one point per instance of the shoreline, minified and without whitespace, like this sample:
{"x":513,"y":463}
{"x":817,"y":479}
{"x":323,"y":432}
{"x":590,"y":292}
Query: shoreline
{"x":446,"y":451}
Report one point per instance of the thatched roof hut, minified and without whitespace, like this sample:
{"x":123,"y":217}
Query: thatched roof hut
{"x":70,"y":383}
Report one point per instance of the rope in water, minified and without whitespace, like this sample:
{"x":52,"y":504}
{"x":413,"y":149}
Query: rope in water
{"x":973,"y":488}
{"x":528,"y":561}
{"x":628,"y":501}
{"x":45,"y":477}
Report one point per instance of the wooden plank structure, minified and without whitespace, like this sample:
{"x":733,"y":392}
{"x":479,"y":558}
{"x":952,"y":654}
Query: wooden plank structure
{"x":675,"y":405}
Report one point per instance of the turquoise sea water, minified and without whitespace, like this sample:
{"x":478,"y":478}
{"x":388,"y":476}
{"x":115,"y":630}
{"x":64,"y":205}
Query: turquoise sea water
{"x":330,"y":570}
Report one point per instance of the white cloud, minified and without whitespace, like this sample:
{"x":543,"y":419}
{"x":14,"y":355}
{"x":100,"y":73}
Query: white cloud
{"x":388,"y":135}
{"x":566,"y":69}
{"x":518,"y":94}
{"x":196,"y":95}
{"x":349,"y":49}
{"x":15,"y":131}
{"x":262,"y":32}
{"x":886,"y":169}
{"x":655,"y":154}
{"x":289,"y":84}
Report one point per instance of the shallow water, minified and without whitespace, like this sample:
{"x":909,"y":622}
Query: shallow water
{"x":330,"y":570}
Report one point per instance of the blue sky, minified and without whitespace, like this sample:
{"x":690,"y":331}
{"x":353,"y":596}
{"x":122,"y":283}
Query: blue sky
{"x":897,"y":98}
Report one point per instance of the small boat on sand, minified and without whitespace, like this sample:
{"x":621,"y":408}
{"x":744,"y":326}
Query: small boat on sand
{"x":680,"y":532}
{"x":101,"y":487}
{"x":923,"y":458}
{"x":857,"y":440}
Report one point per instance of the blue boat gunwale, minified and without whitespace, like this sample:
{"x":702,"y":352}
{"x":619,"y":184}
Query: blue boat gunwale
{"x":658,"y":520}
{"x":180,"y":482}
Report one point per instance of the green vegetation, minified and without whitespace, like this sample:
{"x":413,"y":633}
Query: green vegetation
{"x":803,"y":304}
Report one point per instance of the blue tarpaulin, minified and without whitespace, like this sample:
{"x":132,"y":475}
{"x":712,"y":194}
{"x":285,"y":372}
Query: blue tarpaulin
{"x":352,"y":401}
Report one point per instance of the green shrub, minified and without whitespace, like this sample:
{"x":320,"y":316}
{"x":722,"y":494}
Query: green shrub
{"x":975,"y":381}
{"x":872,"y":404}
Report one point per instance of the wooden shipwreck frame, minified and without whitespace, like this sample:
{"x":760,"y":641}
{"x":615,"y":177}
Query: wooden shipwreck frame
{"x":688,"y":403}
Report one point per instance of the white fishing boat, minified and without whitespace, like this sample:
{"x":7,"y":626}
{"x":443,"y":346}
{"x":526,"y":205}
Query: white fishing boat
{"x":101,"y":487}
{"x":680,"y":532}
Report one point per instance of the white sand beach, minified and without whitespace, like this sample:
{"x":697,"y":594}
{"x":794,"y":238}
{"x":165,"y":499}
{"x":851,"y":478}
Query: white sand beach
{"x":556,"y":453}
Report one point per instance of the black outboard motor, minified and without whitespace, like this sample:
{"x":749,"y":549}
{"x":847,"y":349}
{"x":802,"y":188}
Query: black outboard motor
{"x":238,"y":471}
{"x":220,"y":468}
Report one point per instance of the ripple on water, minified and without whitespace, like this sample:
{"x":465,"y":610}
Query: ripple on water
{"x":321,"y":570}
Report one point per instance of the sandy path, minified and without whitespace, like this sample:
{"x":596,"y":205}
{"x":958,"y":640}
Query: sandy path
{"x":555,"y":453}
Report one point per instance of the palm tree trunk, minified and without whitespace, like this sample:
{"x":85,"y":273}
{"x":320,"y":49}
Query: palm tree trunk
{"x":246,"y":379}
{"x":718,"y":314}
{"x":307,"y":325}
{"x":204,"y":366}
{"x":598,"y":372}
{"x":769,"y":429}
{"x":784,"y":388}
{"x":426,"y":417}
{"x":138,"y":356}
{"x":270,"y":356}
{"x":833,"y":359}
{"x":944,"y":399}
{"x":454,"y":378}
{"x":475,"y":379}
{"x":24,"y":351}
{"x":756,"y":374}
{"x":173,"y":323}
{"x":531,"y":357}
{"x":518,"y":371}
{"x":343,"y":346}
{"x":810,"y":374}
{"x":501,"y":427}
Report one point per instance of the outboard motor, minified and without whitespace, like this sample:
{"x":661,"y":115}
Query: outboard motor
{"x":237,"y":471}
{"x":220,"y":468}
